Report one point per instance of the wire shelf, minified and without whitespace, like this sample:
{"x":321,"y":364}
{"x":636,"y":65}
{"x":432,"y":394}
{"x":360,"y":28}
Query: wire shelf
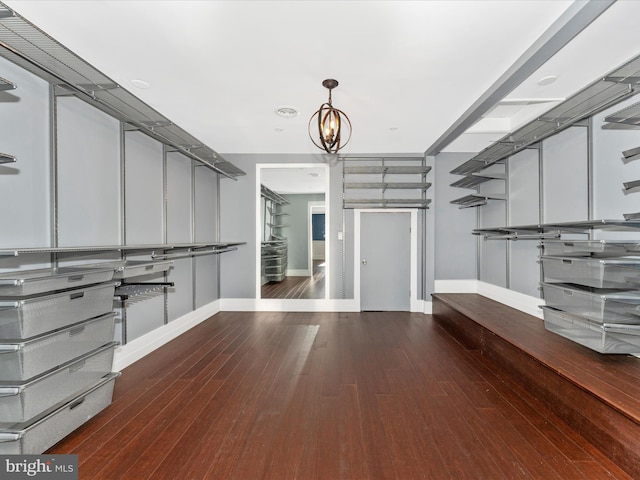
{"x":387,"y":203}
{"x":473,"y":180}
{"x":478,"y":200}
{"x":6,"y":84}
{"x":129,"y":293}
{"x":6,"y":158}
{"x":584,"y":227}
{"x":388,"y":185}
{"x":217,"y":246}
{"x":386,"y":169}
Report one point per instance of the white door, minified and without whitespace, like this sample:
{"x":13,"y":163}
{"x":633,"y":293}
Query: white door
{"x":385,"y":261}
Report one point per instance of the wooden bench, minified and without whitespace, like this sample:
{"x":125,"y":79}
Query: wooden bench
{"x":597,"y":395}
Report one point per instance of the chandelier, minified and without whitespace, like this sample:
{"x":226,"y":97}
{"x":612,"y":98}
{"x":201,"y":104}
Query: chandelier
{"x":329,"y":125}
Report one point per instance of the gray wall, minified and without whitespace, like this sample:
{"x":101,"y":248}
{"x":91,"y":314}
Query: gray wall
{"x":565,"y":172}
{"x":24,"y":123}
{"x":609,"y":173}
{"x":456,"y":247}
{"x":524,"y":209}
{"x":88,"y":175}
{"x":297,"y":233}
{"x":493,"y":253}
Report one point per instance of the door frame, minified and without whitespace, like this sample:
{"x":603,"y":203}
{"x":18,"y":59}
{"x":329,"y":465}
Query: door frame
{"x":414,"y":303}
{"x":258,"y":226}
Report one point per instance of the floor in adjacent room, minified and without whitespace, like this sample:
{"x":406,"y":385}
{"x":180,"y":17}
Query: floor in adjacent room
{"x":325,"y":396}
{"x":298,"y":287}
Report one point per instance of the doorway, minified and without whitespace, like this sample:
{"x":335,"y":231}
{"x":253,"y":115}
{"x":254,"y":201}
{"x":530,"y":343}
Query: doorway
{"x":289,"y":228}
{"x":385,"y":267}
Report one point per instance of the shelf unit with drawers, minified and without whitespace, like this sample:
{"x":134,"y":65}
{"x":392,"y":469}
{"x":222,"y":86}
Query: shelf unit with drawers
{"x":591,"y":287}
{"x":57,"y":328}
{"x":56,"y":348}
{"x":274,"y":247}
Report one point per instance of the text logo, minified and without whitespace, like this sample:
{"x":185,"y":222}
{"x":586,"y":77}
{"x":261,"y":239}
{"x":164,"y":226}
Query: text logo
{"x":50,"y":467}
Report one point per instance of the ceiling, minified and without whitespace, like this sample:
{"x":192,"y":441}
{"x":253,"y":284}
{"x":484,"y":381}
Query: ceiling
{"x":407,"y":69}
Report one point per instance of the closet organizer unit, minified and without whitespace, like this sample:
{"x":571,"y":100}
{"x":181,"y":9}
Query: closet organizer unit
{"x":591,"y":288}
{"x":274,"y":248}
{"x":56,"y":349}
{"x":384,"y":182}
{"x":57,"y":320}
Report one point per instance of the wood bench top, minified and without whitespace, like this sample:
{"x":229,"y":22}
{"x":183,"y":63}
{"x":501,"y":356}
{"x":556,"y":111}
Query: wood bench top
{"x":614,"y":378}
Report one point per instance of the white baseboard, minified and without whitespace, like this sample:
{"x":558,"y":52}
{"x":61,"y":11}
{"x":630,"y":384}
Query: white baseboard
{"x":141,"y":346}
{"x":298,"y":273}
{"x":304,"y":305}
{"x":427,"y":308}
{"x":287,"y":305}
{"x":456,"y":286}
{"x":519,"y":301}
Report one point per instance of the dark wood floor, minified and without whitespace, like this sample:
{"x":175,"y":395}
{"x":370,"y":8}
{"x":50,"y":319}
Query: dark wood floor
{"x":298,"y":287}
{"x":325,"y":396}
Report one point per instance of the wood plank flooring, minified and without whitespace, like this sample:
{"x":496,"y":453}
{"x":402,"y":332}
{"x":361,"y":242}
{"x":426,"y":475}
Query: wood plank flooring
{"x":597,"y":395}
{"x":298,"y":287}
{"x":376,"y":395}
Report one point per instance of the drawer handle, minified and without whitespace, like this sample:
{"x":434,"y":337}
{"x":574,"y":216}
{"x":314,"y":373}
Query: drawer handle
{"x":9,"y":348}
{"x":566,"y":261}
{"x":568,"y":292}
{"x":77,"y":403}
{"x":568,"y":244}
{"x":76,"y":331}
{"x":73,"y":296}
{"x":76,"y":278}
{"x":77,"y":366}
{"x":149,"y":267}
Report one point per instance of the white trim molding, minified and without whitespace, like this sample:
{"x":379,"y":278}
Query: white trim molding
{"x":298,"y":273}
{"x":288,"y":305}
{"x":134,"y":350}
{"x":327,"y":196}
{"x":456,"y":286}
{"x":519,"y":301}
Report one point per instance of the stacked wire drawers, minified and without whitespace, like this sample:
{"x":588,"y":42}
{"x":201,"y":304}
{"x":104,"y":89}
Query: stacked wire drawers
{"x":56,"y":353}
{"x":592,"y":293}
{"x":274,"y":260}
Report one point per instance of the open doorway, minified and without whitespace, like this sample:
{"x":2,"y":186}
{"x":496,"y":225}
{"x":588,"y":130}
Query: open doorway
{"x":296,"y":229}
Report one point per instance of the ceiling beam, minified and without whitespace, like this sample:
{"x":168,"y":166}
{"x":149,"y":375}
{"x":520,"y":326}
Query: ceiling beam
{"x":576,"y":18}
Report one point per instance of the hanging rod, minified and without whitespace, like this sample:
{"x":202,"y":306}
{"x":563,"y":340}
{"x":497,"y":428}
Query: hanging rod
{"x":192,"y":254}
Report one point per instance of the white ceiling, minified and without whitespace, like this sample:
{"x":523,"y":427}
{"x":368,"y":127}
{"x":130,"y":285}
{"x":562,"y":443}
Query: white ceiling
{"x":407,"y":69}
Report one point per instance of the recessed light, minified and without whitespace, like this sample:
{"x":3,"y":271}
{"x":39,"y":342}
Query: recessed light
{"x":140,"y":84}
{"x":549,"y":79}
{"x":286,"y":111}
